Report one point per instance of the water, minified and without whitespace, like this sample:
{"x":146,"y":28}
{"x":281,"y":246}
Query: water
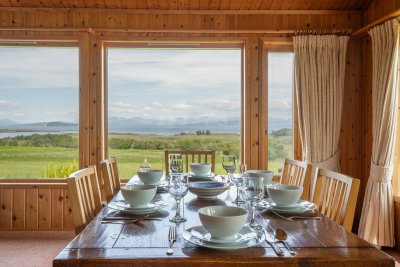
{"x":14,"y":134}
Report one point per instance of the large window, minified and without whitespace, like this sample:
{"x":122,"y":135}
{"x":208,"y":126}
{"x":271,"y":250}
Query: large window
{"x":280,"y":108}
{"x":177,"y":99}
{"x":38,"y":111}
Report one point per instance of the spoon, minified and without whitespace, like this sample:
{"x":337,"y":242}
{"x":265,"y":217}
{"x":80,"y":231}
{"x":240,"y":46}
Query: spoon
{"x":282,"y":236}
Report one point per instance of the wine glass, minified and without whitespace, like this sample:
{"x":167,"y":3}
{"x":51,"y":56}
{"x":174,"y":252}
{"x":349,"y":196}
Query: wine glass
{"x":175,"y":163}
{"x":237,"y":180}
{"x":178,"y":187}
{"x":253,"y":192}
{"x":229,"y":165}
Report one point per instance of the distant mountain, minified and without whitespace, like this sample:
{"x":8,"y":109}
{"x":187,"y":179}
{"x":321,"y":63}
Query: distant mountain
{"x":149,"y":126}
{"x":51,"y":124}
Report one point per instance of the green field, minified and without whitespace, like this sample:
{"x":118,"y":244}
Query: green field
{"x":20,"y":158}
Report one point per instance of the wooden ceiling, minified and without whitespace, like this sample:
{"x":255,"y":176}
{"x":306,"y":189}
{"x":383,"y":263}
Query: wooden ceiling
{"x":193,"y":4}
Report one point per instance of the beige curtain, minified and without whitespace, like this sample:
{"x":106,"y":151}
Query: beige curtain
{"x":320,"y":62}
{"x":377,"y":218}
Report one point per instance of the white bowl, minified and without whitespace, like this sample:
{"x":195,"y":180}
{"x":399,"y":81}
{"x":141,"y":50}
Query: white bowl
{"x":200,"y":168}
{"x":150,"y":176}
{"x":223,"y":222}
{"x":284,"y":195}
{"x":267,"y":175}
{"x":138,"y":195}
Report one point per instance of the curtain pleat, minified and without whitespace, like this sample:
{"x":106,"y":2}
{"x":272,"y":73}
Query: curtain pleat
{"x":377,"y":217}
{"x":319,"y":82}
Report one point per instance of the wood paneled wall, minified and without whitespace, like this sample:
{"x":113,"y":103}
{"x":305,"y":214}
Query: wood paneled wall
{"x":35,"y":204}
{"x":92,"y":27}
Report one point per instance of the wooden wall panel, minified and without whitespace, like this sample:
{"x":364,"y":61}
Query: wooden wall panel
{"x":34,"y":206}
{"x":378,"y":9}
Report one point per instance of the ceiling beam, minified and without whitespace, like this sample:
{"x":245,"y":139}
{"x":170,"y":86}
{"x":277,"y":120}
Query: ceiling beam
{"x":189,"y":11}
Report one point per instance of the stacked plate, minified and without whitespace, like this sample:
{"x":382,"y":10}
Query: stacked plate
{"x":246,"y":238}
{"x":126,"y":208}
{"x":194,"y":177}
{"x":208,"y":189}
{"x":300,"y":207}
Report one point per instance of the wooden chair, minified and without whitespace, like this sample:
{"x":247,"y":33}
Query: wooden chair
{"x":109,"y":172}
{"x":84,"y":195}
{"x":191,"y":156}
{"x":336,"y":196}
{"x":298,"y":173}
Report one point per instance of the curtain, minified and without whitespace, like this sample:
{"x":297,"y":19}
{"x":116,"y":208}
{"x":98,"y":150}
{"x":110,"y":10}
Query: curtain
{"x":377,"y":217}
{"x":320,"y":62}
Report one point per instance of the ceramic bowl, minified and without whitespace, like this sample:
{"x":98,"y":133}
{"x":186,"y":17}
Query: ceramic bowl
{"x":150,"y":176}
{"x":267,"y":175}
{"x":138,"y":195}
{"x":207,"y":190}
{"x":200,"y":168}
{"x":223,"y":222}
{"x":284,"y":195}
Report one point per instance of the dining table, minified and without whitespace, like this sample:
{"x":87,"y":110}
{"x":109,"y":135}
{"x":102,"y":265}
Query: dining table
{"x":144,"y":243}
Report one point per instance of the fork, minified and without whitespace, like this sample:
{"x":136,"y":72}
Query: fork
{"x":171,"y":239}
{"x":294,"y":218}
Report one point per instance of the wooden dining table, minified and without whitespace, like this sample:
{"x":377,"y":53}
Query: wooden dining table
{"x":317,"y":242}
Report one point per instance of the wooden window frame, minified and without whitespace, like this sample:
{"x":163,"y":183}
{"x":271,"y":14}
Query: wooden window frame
{"x":275,"y":45}
{"x":46,"y":39}
{"x":179,"y":43}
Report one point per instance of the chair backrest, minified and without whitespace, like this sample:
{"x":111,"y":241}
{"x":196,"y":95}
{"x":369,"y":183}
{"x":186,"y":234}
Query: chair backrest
{"x":84,"y":195}
{"x":109,"y":172}
{"x":207,"y":156}
{"x":297,"y":172}
{"x":336,"y":196}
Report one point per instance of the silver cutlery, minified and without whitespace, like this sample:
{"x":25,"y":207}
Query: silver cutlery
{"x":295,"y":218}
{"x":171,"y":239}
{"x":281,"y":235}
{"x":272,"y":243}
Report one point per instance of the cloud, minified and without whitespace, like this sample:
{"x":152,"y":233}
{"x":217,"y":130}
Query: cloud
{"x":8,"y":105}
{"x":215,"y":109}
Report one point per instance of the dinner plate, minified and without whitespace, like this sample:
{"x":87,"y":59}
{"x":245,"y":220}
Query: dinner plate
{"x":127,"y":205}
{"x":244,"y":235}
{"x":161,"y":183}
{"x":300,"y":207}
{"x":158,"y":206}
{"x":256,"y":240}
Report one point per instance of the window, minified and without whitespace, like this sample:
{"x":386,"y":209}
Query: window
{"x":38,"y":111}
{"x":280,"y":108}
{"x":175,"y":98}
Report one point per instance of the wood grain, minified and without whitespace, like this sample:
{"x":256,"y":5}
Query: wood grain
{"x":34,"y":204}
{"x":317,"y":243}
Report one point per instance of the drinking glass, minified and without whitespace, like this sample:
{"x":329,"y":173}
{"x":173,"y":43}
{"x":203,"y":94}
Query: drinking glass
{"x":178,"y":187}
{"x":229,"y":165}
{"x":175,"y":163}
{"x":237,"y":180}
{"x":253,"y":192}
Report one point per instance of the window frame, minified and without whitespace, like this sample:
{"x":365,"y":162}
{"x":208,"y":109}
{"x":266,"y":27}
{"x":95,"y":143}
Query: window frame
{"x":43,"y":40}
{"x":217,"y":43}
{"x":278,"y":44}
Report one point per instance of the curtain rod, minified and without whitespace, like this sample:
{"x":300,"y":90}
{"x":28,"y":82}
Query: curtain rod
{"x":323,"y":32}
{"x":364,"y":30}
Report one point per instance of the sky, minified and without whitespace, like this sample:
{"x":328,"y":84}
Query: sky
{"x":41,"y":84}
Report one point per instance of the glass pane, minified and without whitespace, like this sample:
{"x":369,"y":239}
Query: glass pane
{"x":280,"y":108}
{"x":176,"y":99}
{"x":39,"y":107}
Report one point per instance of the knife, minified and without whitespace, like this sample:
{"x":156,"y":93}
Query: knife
{"x":271,"y":242}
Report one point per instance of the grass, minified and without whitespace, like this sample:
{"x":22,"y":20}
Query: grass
{"x":38,"y":162}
